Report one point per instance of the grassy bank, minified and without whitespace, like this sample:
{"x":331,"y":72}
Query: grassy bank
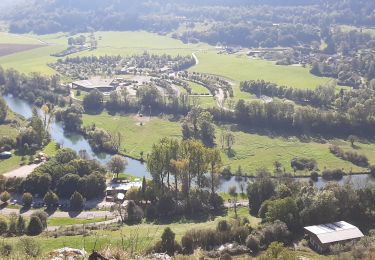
{"x":250,"y":151}
{"x":138,"y":236}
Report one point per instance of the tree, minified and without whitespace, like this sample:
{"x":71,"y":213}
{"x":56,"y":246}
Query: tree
{"x":35,"y":226}
{"x":352,"y":139}
{"x":94,"y":102}
{"x":214,"y":161}
{"x":227,"y":141}
{"x":65,"y":155}
{"x":262,"y":189}
{"x":233,"y":193}
{"x":51,"y":199}
{"x":4,"y":197}
{"x":43,"y":216}
{"x":285,"y":210}
{"x":3,"y":110}
{"x":27,"y":199}
{"x":76,"y":201}
{"x":168,"y":241}
{"x":37,"y":182}
{"x":117,"y":164}
{"x":67,"y":185}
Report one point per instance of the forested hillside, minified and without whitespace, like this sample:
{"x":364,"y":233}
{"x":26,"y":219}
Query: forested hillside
{"x":240,"y":17}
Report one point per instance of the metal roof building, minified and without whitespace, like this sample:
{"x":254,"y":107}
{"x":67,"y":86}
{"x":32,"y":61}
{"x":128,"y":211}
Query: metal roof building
{"x":322,"y":236}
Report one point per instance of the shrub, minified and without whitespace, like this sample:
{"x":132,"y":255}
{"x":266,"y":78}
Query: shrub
{"x":29,"y":246}
{"x":253,"y":243}
{"x":372,"y":170}
{"x":42,"y":216}
{"x":20,"y":226}
{"x":187,"y":244}
{"x":216,"y":202}
{"x":27,"y":199}
{"x":314,"y":176}
{"x":223,"y":226}
{"x":336,"y":174}
{"x":167,"y":241}
{"x":303,"y":164}
{"x":5,"y":196}
{"x":6,"y":249}
{"x":35,"y":226}
{"x":239,"y":234}
{"x":3,"y":226}
{"x":134,"y":213}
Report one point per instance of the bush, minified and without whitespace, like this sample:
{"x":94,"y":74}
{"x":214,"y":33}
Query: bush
{"x":216,"y":202}
{"x":29,"y":246}
{"x":134,"y":213}
{"x":372,"y":170}
{"x":42,"y":216}
{"x":27,"y":199}
{"x":253,"y":243}
{"x":5,"y":196}
{"x":314,"y":176}
{"x":167,"y":241}
{"x":6,"y":249}
{"x":223,"y":226}
{"x":303,"y":164}
{"x":35,"y":226}
{"x":3,"y":226}
{"x":187,"y":244}
{"x":336,"y":174}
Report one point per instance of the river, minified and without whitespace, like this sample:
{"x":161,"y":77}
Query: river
{"x":78,"y":143}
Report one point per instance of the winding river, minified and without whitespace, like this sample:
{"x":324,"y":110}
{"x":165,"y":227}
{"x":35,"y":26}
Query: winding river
{"x":78,"y":143}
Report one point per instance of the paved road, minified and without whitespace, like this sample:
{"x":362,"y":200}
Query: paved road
{"x":195,"y":58}
{"x":21,"y":172}
{"x":63,"y":214}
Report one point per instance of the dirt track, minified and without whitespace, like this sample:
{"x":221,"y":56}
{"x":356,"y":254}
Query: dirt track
{"x":21,"y":172}
{"x":7,"y":49}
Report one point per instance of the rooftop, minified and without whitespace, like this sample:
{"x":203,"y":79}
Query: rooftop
{"x":124,"y":186}
{"x":95,"y":83}
{"x":335,"y":232}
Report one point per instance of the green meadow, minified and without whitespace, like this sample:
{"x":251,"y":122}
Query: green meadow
{"x":109,"y":43}
{"x":251,"y":151}
{"x":139,"y":236}
{"x":239,"y":67}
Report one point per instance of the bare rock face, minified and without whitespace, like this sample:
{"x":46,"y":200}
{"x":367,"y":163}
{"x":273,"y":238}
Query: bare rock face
{"x":66,"y":253}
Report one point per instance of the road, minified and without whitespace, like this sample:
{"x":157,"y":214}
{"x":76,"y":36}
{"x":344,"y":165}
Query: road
{"x":195,"y":58}
{"x":62,"y":214}
{"x":21,"y":172}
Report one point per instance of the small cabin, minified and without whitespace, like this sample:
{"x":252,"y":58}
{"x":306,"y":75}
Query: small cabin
{"x":321,"y":237}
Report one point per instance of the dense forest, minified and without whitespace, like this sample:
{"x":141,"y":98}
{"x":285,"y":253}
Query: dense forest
{"x":165,"y":16}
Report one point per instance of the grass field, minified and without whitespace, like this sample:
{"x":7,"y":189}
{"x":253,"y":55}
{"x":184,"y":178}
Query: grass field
{"x":198,"y":89}
{"x":109,"y":43}
{"x":136,"y":138}
{"x":139,"y":236}
{"x":252,"y":151}
{"x":240,"y":67}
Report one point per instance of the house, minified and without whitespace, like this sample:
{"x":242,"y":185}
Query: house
{"x":321,"y":237}
{"x":103,"y":85}
{"x":116,"y":190}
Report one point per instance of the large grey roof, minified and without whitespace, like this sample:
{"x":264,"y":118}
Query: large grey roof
{"x":335,"y":232}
